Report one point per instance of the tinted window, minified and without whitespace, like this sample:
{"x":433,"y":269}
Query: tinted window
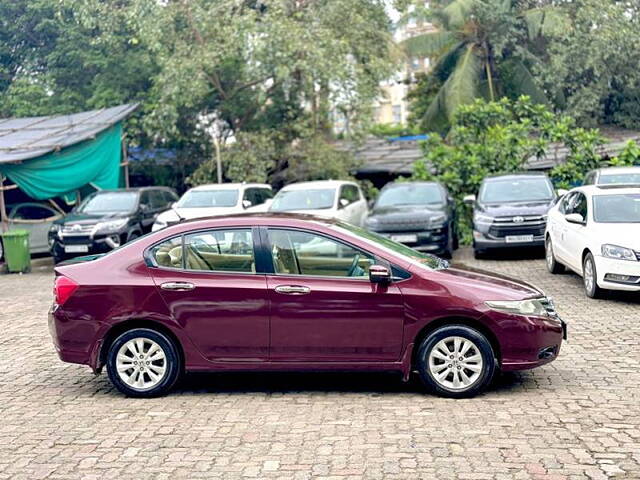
{"x":209,"y":198}
{"x":521,"y":189}
{"x":312,"y":199}
{"x":169,"y":196}
{"x":220,"y":251}
{"x":302,"y":253}
{"x":619,"y":178}
{"x":156,"y":199}
{"x":410,"y":194}
{"x":33,"y":212}
{"x":619,"y":208}
{"x":350,"y":193}
{"x":109,"y":202}
{"x":580,"y":205}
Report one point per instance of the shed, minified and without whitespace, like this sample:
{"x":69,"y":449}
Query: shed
{"x":54,"y":156}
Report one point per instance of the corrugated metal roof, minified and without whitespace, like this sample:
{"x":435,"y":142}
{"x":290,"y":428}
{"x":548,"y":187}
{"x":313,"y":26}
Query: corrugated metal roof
{"x":25,"y":138}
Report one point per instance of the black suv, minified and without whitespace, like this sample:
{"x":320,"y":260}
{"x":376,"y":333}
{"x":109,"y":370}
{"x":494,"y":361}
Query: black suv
{"x":511,"y":211}
{"x":107,"y":219}
{"x":421,"y":215}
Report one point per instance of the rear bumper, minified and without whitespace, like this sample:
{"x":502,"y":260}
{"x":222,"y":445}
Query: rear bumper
{"x":74,"y":341}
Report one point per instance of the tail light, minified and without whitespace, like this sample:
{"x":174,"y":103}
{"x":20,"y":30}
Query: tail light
{"x":63,"y":288}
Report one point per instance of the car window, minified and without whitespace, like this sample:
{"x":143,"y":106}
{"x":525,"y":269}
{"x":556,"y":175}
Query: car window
{"x":145,"y":198}
{"x":157,"y":199}
{"x":589,"y":179}
{"x":349,"y":193}
{"x":33,"y":212}
{"x":566,"y":203}
{"x":617,"y":208}
{"x":580,"y":205}
{"x":169,"y":196}
{"x":168,"y":253}
{"x":220,"y":251}
{"x":262,"y":195}
{"x":251,"y":194}
{"x":303,"y":253}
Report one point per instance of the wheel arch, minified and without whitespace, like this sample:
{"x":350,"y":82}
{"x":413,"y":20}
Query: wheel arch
{"x":457,"y":320}
{"x":116,"y":330}
{"x":584,"y":254}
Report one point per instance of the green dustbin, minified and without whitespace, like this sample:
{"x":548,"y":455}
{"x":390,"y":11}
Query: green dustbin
{"x":16,"y":250}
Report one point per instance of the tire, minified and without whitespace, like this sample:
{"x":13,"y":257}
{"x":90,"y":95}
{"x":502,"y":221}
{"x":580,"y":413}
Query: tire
{"x":590,"y":277}
{"x":479,"y":254}
{"x":448,"y":250}
{"x":478,"y":367}
{"x":456,"y":240}
{"x":552,"y":264}
{"x":137,"y":381}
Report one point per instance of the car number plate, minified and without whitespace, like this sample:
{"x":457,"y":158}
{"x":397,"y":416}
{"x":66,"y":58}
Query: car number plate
{"x":76,"y":248}
{"x":518,"y":238}
{"x":404,"y":238}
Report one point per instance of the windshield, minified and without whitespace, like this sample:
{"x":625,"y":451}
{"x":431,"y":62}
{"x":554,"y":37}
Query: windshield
{"x":314,"y":199}
{"x":535,"y":189}
{"x":110,"y":202}
{"x":415,"y":257}
{"x":619,"y":178}
{"x":209,"y":198}
{"x":410,"y":194}
{"x":620,"y":208}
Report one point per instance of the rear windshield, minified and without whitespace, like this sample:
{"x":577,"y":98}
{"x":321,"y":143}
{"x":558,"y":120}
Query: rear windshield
{"x":512,"y":190}
{"x":620,"y":208}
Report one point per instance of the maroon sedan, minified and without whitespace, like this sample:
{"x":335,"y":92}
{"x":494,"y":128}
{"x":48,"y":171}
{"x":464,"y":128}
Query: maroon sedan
{"x":293,"y":293}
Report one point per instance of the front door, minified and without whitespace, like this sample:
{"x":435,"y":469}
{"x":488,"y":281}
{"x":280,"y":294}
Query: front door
{"x":323,"y":306}
{"x":212,"y":291}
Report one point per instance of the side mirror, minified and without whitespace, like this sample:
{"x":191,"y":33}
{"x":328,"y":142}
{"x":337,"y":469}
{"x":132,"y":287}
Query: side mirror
{"x":246,"y":203}
{"x":562,"y":192}
{"x":343,"y":202}
{"x":379,"y":274}
{"x":575,"y":218}
{"x":469,"y":199}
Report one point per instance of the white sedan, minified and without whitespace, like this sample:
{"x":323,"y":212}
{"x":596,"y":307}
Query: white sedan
{"x":595,"y":231}
{"x":216,"y":199}
{"x":341,"y":200}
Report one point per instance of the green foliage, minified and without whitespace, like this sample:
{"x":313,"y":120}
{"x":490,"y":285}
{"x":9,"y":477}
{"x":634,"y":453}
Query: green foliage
{"x":386,"y":130}
{"x":628,"y":157}
{"x":490,"y":138}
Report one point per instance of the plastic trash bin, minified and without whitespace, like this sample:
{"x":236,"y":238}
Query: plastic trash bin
{"x":16,"y":250}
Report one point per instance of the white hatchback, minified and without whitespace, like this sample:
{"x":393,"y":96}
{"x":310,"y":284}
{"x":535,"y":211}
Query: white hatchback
{"x":595,"y":231}
{"x":341,"y":200}
{"x":217,"y":199}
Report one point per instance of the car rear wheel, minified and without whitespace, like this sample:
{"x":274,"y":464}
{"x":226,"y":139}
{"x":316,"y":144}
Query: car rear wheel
{"x":552,"y":265}
{"x":143,"y":363}
{"x":590,"y":277}
{"x":456,"y":361}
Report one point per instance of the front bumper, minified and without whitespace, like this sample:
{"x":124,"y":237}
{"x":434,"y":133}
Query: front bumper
{"x":610,"y":270}
{"x":86,"y":245}
{"x":484,"y":242}
{"x":429,"y":241}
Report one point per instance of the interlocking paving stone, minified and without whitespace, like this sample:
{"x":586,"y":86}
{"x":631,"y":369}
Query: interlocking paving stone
{"x":577,"y":418}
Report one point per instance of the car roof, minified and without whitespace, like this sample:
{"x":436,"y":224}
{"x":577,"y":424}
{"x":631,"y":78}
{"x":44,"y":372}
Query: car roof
{"x":133,"y":189}
{"x":317,"y":184}
{"x":618,"y":170}
{"x":229,"y":186}
{"x":421,"y":182}
{"x":614,"y":189}
{"x":515,"y":176}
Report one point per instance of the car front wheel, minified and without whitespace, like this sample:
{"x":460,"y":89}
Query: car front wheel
{"x":590,"y":277}
{"x":456,"y":361}
{"x":143,"y":363}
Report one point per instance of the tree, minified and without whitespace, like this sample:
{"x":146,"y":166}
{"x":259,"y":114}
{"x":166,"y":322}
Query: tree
{"x":483,"y":49}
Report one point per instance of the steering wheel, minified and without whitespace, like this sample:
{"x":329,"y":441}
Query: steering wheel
{"x":354,"y":265}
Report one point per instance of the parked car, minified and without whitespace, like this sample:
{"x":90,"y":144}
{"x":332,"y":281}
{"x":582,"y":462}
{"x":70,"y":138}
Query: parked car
{"x":34,"y":217}
{"x":595,"y":231}
{"x":250,"y":293}
{"x":421,"y":215}
{"x":613,"y":175}
{"x":326,"y":198}
{"x":107,"y":219}
{"x":511,"y":211}
{"x":217,"y":199}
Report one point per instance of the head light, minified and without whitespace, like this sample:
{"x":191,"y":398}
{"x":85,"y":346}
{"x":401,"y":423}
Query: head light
{"x":482,"y":219}
{"x":519,"y":307}
{"x":111,"y":226}
{"x":621,"y":253}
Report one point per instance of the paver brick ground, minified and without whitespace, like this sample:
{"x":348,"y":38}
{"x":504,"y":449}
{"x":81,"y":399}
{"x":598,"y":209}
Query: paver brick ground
{"x":577,"y":418}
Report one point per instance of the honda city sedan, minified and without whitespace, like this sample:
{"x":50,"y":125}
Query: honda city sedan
{"x":291,"y":292}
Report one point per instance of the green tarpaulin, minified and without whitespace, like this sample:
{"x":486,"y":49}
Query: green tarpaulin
{"x":95,"y":162}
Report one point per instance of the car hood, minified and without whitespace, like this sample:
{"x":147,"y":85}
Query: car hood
{"x":519,"y":208}
{"x":621,"y":234}
{"x":487,"y":285}
{"x":90,"y":218}
{"x":407,"y":211}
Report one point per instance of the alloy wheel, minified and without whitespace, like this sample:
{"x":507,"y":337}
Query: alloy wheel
{"x":141,"y":363}
{"x":455,"y":363}
{"x":588,"y":275}
{"x":549,"y":252}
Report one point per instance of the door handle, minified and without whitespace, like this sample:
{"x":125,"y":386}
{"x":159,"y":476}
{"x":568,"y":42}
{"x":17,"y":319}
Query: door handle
{"x":178,"y":286}
{"x":292,"y":289}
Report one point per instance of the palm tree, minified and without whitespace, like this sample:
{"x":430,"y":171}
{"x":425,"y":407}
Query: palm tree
{"x":475,"y":51}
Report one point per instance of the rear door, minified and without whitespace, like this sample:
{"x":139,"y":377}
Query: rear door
{"x":323,"y":306}
{"x":212,"y":290}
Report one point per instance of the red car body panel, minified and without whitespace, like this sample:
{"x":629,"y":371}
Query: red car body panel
{"x":238,"y":322}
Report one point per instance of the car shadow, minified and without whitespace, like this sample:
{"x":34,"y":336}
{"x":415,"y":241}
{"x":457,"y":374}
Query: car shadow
{"x":516,"y":253}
